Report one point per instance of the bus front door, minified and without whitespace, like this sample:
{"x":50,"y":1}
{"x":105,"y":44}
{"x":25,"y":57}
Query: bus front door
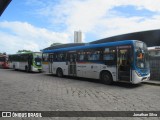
{"x":50,"y":63}
{"x":72,"y":64}
{"x":124,"y":63}
{"x":30,"y":62}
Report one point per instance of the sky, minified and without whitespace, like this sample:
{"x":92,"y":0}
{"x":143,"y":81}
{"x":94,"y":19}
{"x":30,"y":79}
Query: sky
{"x":36,"y":24}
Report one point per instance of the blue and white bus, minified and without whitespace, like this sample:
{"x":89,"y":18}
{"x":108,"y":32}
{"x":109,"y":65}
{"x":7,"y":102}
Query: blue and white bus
{"x":120,"y":61}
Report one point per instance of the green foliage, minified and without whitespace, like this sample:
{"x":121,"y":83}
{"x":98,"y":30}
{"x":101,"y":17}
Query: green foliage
{"x":3,"y":53}
{"x":55,"y":44}
{"x":24,"y":51}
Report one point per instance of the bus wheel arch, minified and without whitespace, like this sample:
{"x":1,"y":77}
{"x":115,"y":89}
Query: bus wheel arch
{"x":59,"y":72}
{"x":106,"y":77}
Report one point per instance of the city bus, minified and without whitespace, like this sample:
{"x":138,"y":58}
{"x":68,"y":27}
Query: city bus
{"x":4,"y":61}
{"x":28,"y":61}
{"x":120,"y":61}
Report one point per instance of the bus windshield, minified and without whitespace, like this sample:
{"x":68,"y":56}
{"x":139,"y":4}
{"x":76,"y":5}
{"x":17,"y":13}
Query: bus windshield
{"x":2,"y":59}
{"x":142,"y":57}
{"x":38,"y":59}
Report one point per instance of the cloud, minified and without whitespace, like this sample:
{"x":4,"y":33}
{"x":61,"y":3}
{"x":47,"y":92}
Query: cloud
{"x":99,"y":17}
{"x":22,"y":35}
{"x":122,"y":25}
{"x":143,"y":4}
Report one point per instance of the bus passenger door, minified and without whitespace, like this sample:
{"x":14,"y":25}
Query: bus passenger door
{"x":124,"y":63}
{"x":50,"y":63}
{"x":30,"y":62}
{"x":72,"y":64}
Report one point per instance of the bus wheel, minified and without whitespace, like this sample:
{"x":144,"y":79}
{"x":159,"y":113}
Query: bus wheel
{"x":59,"y":72}
{"x":106,"y":78}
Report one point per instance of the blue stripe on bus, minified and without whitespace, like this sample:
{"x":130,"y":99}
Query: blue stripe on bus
{"x":117,"y":43}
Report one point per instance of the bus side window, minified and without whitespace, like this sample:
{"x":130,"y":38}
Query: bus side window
{"x":51,"y":56}
{"x":93,"y":55}
{"x":73,"y":57}
{"x":55,"y":57}
{"x":81,"y":56}
{"x":61,"y":57}
{"x":43,"y":57}
{"x":109,"y":56}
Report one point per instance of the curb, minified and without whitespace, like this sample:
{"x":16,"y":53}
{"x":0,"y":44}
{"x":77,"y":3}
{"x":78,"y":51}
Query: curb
{"x":156,"y":83}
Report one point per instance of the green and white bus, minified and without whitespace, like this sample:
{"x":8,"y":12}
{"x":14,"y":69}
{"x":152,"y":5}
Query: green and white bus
{"x":28,"y":61}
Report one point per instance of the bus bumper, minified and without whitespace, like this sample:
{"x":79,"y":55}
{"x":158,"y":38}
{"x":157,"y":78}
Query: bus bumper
{"x":138,"y":79}
{"x":36,"y":69}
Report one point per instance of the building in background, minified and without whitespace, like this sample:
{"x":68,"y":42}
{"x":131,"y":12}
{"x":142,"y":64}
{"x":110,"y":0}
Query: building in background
{"x":77,"y":37}
{"x":154,"y":51}
{"x":150,"y":37}
{"x":154,"y":60}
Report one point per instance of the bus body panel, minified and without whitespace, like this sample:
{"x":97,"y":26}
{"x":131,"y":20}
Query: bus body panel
{"x":82,"y":69}
{"x":45,"y":67}
{"x":35,"y":69}
{"x":62,"y":65}
{"x":11,"y":65}
{"x":22,"y":65}
{"x":4,"y":61}
{"x":93,"y":70}
{"x":16,"y":65}
{"x":137,"y":79}
{"x":4,"y":65}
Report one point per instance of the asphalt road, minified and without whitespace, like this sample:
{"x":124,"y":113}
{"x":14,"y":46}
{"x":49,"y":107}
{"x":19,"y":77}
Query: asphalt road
{"x":21,"y":91}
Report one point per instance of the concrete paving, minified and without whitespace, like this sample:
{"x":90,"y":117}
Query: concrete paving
{"x":21,"y":91}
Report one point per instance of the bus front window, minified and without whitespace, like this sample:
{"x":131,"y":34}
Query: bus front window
{"x":2,"y":59}
{"x":142,"y":56}
{"x":38,"y":60}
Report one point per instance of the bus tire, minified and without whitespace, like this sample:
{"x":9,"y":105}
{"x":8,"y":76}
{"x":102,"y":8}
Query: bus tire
{"x":59,"y":72}
{"x":106,"y":78}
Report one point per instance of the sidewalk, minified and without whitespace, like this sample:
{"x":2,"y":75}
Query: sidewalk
{"x":152,"y":82}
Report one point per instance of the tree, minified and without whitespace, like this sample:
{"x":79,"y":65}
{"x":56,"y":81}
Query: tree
{"x":55,"y":44}
{"x":4,"y":53}
{"x":21,"y":51}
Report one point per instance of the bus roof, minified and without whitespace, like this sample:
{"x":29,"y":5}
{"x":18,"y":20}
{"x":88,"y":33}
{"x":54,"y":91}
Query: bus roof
{"x":88,"y":46}
{"x":64,"y":46}
{"x":1,"y":55}
{"x":25,"y":53}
